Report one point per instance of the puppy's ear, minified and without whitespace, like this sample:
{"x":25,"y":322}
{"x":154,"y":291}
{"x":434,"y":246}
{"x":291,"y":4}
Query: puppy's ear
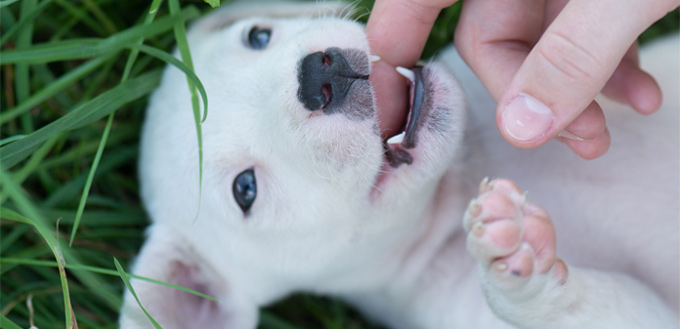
{"x":168,"y":258}
{"x":232,"y":12}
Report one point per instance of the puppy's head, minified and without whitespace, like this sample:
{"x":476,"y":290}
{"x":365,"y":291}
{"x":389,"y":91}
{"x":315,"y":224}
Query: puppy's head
{"x":299,"y":191}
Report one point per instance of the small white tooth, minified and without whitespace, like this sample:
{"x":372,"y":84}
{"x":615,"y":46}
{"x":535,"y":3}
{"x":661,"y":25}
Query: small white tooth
{"x":397,"y":139}
{"x":408,"y":74}
{"x":373,"y":58}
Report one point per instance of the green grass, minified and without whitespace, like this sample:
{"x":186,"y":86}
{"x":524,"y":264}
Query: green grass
{"x":75,"y":76}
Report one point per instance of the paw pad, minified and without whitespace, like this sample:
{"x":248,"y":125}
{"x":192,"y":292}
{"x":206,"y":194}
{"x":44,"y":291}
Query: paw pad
{"x":512,"y":239}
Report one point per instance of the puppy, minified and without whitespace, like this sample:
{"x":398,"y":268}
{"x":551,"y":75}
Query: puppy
{"x":300,"y":193}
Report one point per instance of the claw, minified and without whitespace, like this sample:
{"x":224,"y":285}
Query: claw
{"x":478,"y":229}
{"x":474,"y":208}
{"x":484,"y":186}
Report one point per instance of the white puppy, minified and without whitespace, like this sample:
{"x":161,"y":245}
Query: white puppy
{"x":300,"y":193}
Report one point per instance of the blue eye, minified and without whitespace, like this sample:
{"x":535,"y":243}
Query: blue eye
{"x":258,"y":38}
{"x":245,"y":189}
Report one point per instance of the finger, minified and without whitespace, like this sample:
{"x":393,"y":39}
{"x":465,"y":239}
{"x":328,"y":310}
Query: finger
{"x":391,"y":98}
{"x":494,"y":37}
{"x":568,"y":66}
{"x":632,"y":86}
{"x":397,"y":31}
{"x":589,"y":149}
{"x":590,"y":124}
{"x":587,"y":136}
{"x":552,"y":10}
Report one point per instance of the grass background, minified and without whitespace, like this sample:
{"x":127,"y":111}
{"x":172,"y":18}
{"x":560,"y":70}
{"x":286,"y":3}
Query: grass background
{"x":74,"y":83}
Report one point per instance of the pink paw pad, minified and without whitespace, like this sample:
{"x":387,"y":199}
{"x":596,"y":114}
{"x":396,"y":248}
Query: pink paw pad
{"x":510,"y":237}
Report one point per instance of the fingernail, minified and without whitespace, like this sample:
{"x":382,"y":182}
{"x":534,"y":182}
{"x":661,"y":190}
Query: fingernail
{"x":568,"y":135}
{"x":525,"y":118}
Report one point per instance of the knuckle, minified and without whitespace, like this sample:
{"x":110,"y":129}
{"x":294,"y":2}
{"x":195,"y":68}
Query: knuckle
{"x":568,"y":57}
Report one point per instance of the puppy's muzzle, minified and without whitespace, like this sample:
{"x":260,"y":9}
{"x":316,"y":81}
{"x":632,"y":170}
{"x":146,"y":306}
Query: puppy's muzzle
{"x":334,"y":79}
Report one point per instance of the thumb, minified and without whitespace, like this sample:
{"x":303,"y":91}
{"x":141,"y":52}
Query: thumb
{"x":569,"y":65}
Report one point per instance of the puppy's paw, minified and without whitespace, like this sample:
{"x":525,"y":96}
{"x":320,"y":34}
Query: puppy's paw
{"x":512,"y":239}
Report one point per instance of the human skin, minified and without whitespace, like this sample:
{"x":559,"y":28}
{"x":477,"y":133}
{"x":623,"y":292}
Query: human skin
{"x":543,"y":61}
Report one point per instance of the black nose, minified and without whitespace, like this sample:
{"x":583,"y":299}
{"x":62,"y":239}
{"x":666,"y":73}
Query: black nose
{"x":325,"y":80}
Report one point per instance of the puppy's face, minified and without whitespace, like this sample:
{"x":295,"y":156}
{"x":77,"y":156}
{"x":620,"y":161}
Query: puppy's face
{"x":297,"y":182}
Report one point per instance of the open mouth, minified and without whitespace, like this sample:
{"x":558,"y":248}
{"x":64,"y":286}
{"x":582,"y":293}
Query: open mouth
{"x":397,"y":146}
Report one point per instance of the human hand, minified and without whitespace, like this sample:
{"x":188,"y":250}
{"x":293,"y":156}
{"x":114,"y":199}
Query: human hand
{"x":530,"y":53}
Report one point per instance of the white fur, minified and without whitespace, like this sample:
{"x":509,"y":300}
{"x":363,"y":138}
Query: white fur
{"x":397,"y":251}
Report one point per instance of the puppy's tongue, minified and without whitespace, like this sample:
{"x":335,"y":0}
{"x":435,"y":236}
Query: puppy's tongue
{"x":392,"y":98}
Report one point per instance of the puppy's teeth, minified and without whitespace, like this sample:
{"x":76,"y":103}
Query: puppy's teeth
{"x":408,"y":74}
{"x":397,"y":139}
{"x":373,"y":58}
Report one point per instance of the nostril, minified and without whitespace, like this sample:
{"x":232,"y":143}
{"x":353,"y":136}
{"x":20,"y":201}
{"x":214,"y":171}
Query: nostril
{"x":326,"y":60}
{"x":327,"y":94}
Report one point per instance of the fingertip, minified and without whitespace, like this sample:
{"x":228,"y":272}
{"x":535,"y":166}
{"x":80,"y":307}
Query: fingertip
{"x":524,"y":121}
{"x":645,"y":96}
{"x":635,"y":87}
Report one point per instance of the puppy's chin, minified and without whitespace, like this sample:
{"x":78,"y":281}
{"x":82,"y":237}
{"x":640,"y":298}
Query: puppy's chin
{"x":431,"y":136}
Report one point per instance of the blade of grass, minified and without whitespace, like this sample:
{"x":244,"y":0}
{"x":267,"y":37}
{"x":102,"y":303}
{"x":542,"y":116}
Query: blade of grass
{"x":7,"y":19}
{"x":213,"y":3}
{"x":86,"y":190}
{"x":191,"y":77}
{"x":42,"y":77}
{"x":90,"y":177}
{"x":11,"y":139}
{"x":7,"y":323}
{"x":64,"y":29}
{"x":71,"y":189}
{"x":125,"y":279}
{"x":22,"y":201}
{"x":28,"y":18}
{"x":81,"y":15}
{"x":35,"y":160}
{"x":21,"y":71}
{"x":185,"y":53}
{"x":4,"y":3}
{"x":101,"y":17}
{"x":88,"y":147}
{"x":154,"y":6}
{"x":87,"y":113}
{"x":66,"y":257}
{"x":135,"y":52}
{"x":92,"y":47}
{"x":98,"y":218}
{"x":99,"y":270}
{"x":54,"y":87}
